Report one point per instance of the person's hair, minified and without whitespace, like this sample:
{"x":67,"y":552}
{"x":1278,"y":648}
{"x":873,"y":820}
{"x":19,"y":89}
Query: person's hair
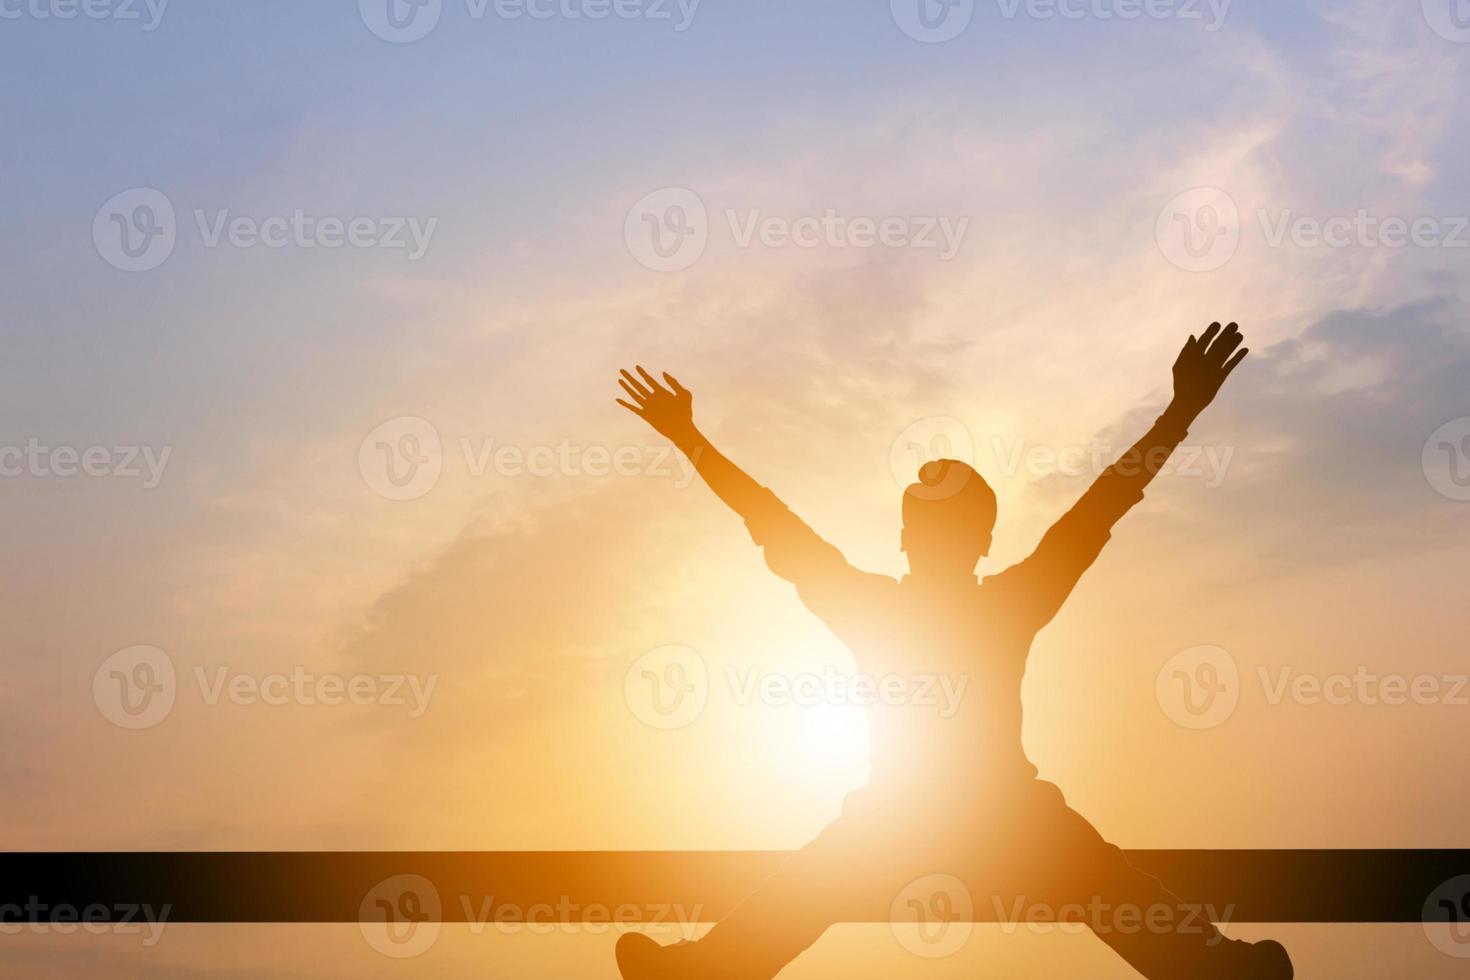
{"x":952,"y":495}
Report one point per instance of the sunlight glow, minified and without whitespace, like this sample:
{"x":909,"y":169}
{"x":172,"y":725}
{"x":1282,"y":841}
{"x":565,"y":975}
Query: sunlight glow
{"x":834,"y":736}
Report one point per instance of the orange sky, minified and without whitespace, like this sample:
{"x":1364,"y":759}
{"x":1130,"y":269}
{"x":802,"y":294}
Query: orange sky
{"x":1312,"y":535}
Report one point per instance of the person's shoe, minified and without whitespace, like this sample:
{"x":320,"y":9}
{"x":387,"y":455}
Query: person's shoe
{"x":640,"y":958}
{"x":1268,"y":961}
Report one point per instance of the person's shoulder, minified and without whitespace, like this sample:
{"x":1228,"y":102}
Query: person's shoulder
{"x":876,"y":581}
{"x":997,"y":582}
{"x":1008,"y":600}
{"x":853,"y":599}
{"x":853,"y":584}
{"x":872,"y":590}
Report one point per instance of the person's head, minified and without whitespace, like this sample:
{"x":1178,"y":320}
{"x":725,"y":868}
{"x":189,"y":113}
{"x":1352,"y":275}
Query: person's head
{"x":948,"y":519}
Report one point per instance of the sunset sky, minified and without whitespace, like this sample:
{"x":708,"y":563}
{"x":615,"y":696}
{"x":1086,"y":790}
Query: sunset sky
{"x":241,"y":396}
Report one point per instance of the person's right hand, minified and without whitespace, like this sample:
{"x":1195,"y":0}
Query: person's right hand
{"x":670,"y":410}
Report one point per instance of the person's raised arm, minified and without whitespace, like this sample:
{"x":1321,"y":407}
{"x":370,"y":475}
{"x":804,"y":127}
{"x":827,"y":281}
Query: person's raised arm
{"x":1200,"y":370}
{"x":793,"y":550}
{"x":1075,"y":541}
{"x":669,"y":409}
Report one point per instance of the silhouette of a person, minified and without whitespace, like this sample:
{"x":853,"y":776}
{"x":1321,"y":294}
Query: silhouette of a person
{"x":952,"y":792}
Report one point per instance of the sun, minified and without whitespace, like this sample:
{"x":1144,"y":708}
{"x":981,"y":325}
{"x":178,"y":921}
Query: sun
{"x":833,"y":736}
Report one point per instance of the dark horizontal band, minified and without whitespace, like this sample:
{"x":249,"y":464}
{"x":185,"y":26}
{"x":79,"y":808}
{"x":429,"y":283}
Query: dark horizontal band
{"x":540,"y":886}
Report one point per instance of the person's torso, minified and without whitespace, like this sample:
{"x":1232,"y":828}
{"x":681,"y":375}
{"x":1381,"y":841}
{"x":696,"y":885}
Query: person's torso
{"x":944,"y":670}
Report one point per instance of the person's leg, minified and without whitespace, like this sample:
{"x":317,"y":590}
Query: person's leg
{"x":775,"y":924}
{"x":1159,"y":934}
